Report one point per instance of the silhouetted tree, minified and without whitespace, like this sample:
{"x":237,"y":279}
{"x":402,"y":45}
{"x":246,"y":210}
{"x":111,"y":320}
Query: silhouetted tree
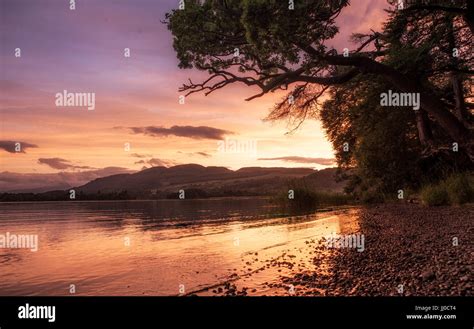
{"x":267,"y":46}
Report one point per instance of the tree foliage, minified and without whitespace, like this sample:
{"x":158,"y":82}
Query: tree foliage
{"x":423,"y":48}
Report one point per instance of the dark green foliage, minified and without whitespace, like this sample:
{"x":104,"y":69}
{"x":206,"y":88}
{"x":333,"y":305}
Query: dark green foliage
{"x":64,"y":196}
{"x":382,"y":141}
{"x":307,"y":201}
{"x":192,"y":193}
{"x":264,"y":31}
{"x":306,"y":198}
{"x":457,"y":189}
{"x":435,"y":195}
{"x":287,"y":49}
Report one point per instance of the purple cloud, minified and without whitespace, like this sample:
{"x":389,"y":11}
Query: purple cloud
{"x":61,"y":164}
{"x":201,"y":132}
{"x":12,"y":146}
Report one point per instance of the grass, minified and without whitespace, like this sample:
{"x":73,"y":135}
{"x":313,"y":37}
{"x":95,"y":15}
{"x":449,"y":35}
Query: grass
{"x":456,"y":189}
{"x":435,"y":195}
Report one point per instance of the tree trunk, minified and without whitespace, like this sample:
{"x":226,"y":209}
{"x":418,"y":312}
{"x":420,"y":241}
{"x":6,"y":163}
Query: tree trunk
{"x":456,"y":79}
{"x":430,"y":103}
{"x":424,"y":130}
{"x":453,"y":127}
{"x":460,"y":112}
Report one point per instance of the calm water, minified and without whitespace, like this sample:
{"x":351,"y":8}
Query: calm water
{"x":152,"y":247}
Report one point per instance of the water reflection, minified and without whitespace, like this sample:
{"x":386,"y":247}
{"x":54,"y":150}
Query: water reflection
{"x":148,"y":247}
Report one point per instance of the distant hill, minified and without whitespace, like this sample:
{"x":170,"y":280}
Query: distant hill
{"x":197,"y":181}
{"x":212,"y":180}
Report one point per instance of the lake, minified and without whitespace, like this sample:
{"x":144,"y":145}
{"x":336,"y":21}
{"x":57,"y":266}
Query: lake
{"x":165,"y":247}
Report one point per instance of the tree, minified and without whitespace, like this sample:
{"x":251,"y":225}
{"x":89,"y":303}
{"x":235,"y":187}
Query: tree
{"x":267,"y":46}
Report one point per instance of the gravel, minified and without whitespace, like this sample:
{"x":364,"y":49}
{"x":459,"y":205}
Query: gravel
{"x":410,"y":250}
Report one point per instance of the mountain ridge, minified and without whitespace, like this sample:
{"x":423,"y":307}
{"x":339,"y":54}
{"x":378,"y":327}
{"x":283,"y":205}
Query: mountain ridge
{"x":254,"y":180}
{"x":196,"y":180}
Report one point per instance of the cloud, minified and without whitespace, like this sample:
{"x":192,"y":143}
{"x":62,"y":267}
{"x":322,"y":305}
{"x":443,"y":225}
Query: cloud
{"x":61,"y":164}
{"x":297,"y":159}
{"x":137,"y":155}
{"x":32,"y":182}
{"x":200,"y":132}
{"x":155,"y":162}
{"x":11,"y":146}
{"x":204,"y":154}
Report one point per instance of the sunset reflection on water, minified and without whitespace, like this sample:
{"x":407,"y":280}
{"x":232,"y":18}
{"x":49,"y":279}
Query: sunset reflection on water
{"x":157,"y":247}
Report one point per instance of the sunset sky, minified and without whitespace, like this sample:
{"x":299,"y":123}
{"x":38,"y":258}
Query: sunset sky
{"x":82,"y":50}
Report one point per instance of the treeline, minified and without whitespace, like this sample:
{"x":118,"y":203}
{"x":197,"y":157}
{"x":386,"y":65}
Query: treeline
{"x":195,"y":193}
{"x":192,"y":193}
{"x":62,"y":196}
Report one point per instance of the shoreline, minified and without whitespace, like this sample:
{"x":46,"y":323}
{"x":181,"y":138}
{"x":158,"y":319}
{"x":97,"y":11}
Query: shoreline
{"x":410,"y":250}
{"x":402,"y":244}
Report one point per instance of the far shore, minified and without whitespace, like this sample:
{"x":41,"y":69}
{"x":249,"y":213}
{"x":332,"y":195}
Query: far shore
{"x":144,"y":200}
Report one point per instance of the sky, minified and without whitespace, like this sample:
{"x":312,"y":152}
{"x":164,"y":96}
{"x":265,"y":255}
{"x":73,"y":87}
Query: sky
{"x":137,"y":121}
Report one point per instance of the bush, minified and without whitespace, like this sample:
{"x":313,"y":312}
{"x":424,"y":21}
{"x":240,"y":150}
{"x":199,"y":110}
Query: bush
{"x":456,"y":189}
{"x":459,"y":189}
{"x":306,"y":200}
{"x":435,"y":195}
{"x":371,"y":196}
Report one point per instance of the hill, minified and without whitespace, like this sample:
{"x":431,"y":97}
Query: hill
{"x":211,"y":181}
{"x":197,"y":181}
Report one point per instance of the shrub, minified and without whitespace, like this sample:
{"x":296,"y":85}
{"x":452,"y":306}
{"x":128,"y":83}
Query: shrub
{"x":371,"y":196}
{"x":306,"y":200}
{"x":456,"y":189}
{"x":459,"y":189}
{"x":435,"y":195}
